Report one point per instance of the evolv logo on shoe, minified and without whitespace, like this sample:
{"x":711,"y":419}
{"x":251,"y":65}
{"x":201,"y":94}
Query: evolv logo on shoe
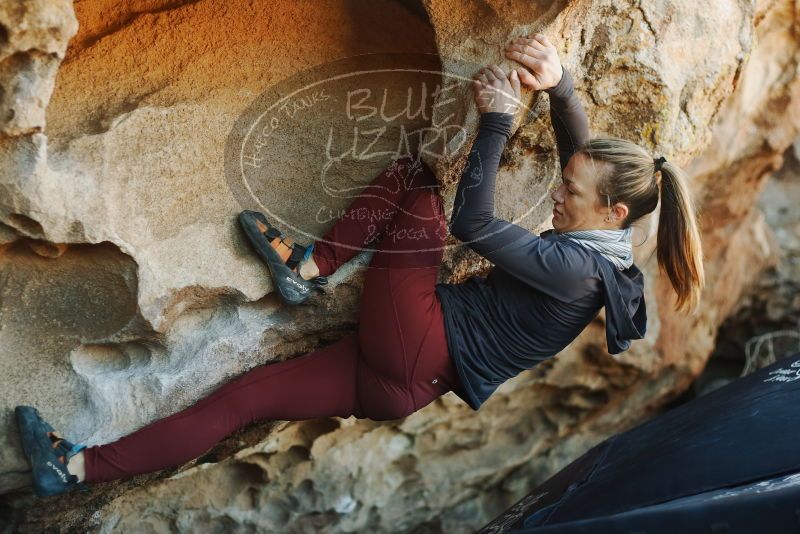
{"x":61,"y":474}
{"x":300,"y":286}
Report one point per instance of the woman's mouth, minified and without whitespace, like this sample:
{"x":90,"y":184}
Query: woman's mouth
{"x":555,"y":212}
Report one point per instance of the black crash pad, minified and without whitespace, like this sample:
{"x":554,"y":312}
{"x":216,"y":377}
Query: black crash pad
{"x":725,"y":462}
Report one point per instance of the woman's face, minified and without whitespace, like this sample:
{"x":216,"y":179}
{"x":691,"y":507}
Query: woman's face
{"x":577,"y":204}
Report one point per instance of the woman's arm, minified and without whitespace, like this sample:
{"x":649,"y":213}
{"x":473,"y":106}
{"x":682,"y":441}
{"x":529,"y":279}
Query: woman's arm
{"x":543,"y":264}
{"x":543,"y":72}
{"x":473,"y":206}
{"x":569,"y":120}
{"x":497,"y":99}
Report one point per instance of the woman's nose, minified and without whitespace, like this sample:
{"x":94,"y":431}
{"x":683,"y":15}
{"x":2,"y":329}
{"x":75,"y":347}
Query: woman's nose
{"x":556,"y":196}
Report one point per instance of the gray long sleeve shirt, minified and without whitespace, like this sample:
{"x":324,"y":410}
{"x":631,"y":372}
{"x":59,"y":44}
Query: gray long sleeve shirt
{"x":543,"y":289}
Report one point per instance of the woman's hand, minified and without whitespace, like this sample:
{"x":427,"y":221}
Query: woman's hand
{"x":539,"y":56}
{"x":496,"y":92}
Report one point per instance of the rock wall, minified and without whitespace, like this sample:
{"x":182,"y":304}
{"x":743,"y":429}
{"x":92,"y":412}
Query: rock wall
{"x":765,"y":324}
{"x":127,"y":292}
{"x":777,"y":294}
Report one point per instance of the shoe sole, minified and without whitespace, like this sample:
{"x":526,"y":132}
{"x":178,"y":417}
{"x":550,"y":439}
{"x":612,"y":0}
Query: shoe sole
{"x":290,"y":289}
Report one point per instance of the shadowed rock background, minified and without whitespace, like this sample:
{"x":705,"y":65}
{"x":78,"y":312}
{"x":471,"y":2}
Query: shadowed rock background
{"x":127,"y":292}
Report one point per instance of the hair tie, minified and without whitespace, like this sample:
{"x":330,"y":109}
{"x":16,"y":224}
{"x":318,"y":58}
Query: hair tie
{"x":658,"y":162}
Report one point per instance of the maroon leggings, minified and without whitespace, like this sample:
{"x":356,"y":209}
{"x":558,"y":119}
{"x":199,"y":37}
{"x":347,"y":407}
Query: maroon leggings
{"x":396,"y":363}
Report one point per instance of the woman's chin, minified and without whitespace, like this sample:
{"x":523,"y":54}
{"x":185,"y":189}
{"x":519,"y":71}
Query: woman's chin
{"x":561,"y":228}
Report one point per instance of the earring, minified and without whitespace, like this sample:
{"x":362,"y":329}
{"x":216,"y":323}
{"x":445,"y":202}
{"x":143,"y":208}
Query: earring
{"x":608,"y":217}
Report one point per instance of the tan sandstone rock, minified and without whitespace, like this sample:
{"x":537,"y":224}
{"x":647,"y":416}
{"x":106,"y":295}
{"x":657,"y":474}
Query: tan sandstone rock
{"x":157,"y":300}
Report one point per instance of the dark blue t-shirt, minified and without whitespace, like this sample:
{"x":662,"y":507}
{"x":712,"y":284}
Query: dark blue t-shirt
{"x":543,"y":290}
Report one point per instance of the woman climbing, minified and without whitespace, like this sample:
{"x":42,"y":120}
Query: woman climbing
{"x":417,"y":339}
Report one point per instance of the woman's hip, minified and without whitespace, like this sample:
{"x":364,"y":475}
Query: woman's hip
{"x":405,"y":370}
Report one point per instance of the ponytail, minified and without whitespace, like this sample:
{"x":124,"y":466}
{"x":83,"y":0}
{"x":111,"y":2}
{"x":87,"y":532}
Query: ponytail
{"x":679,"y":250}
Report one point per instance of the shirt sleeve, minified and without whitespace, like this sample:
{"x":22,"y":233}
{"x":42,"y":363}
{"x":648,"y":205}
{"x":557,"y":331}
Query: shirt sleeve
{"x":543,"y":264}
{"x":569,"y":120}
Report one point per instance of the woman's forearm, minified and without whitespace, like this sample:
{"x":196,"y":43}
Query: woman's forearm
{"x":570,"y":123}
{"x":473,"y":206}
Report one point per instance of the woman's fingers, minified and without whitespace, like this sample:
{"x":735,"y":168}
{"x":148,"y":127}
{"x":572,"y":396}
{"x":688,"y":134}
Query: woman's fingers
{"x":514,"y":79}
{"x":527,"y":41}
{"x":528,"y":79}
{"x":526,"y":59}
{"x":490,"y":75}
{"x":542,"y":38}
{"x":480,"y":84}
{"x":480,"y":76}
{"x":498,"y":74}
{"x":527,"y":52}
{"x":477,"y":87}
{"x":526,"y":49}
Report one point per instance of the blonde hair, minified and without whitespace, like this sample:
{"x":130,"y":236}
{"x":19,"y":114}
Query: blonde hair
{"x":632,"y":179}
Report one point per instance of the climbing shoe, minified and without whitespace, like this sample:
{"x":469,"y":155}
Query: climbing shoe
{"x":48,"y":454}
{"x":282,"y":256}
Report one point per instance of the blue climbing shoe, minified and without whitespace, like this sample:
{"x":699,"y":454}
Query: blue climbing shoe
{"x":282,"y":256}
{"x":48,"y":453}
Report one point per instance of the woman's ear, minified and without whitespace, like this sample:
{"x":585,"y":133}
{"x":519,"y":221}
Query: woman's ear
{"x":620,"y":211}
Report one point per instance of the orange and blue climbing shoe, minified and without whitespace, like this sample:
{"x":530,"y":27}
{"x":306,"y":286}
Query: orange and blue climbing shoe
{"x":283,"y":257}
